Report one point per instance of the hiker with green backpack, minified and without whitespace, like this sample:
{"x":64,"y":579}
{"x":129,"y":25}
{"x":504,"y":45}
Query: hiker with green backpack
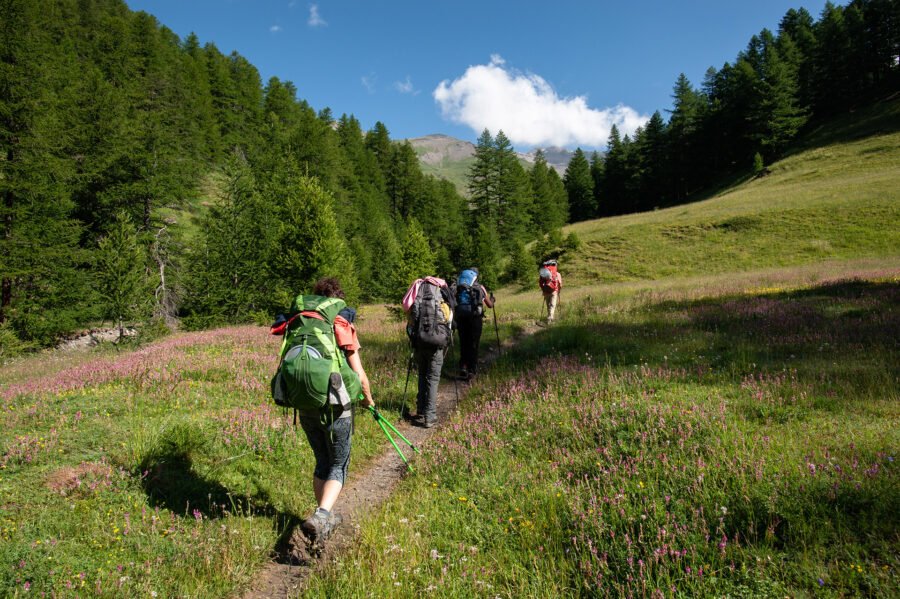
{"x":320,"y":376}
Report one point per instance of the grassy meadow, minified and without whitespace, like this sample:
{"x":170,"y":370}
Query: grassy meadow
{"x":743,"y":444}
{"x":715,"y":414}
{"x":165,"y":471}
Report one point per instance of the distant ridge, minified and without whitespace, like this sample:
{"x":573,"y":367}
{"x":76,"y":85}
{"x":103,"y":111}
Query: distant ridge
{"x":450,"y":158}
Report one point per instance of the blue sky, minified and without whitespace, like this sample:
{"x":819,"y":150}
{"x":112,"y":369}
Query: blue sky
{"x":546,"y":73}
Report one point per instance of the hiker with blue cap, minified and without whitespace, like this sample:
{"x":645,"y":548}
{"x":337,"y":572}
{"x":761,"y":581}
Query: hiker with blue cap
{"x":471,"y":297}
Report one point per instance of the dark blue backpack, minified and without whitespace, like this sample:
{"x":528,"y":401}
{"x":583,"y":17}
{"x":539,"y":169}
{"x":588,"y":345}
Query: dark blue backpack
{"x":468,"y":294}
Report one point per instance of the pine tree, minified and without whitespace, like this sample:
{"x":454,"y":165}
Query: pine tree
{"x":580,"y":188}
{"x":612,"y":189}
{"x":404,"y":182}
{"x":233,"y":274}
{"x":520,"y":267}
{"x":481,"y":178}
{"x":598,"y":172}
{"x":121,"y":272}
{"x":548,"y":210}
{"x":484,"y":253}
{"x":416,"y":258}
{"x":797,"y":26}
{"x":513,"y":194}
{"x":652,"y":159}
{"x":560,"y":200}
{"x":778,"y":115}
{"x":682,"y":130}
{"x":378,"y":141}
{"x":41,"y":291}
{"x":309,"y":242}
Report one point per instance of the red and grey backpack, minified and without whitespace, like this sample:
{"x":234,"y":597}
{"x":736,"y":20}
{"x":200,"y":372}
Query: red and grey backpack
{"x":549,"y":276}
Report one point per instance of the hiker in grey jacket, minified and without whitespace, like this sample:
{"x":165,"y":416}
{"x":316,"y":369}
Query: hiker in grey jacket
{"x":430,"y":306}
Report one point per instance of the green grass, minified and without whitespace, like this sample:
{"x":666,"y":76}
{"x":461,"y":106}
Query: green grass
{"x":167,"y":470}
{"x":742,"y":444}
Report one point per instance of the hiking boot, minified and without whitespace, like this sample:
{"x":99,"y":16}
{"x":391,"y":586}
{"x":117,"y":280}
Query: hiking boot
{"x":429,"y":423}
{"x":321,"y":524}
{"x":464,"y":373}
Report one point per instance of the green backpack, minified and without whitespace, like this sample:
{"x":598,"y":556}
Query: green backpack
{"x":312,"y":365}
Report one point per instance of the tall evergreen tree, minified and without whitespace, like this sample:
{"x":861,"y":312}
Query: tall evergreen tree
{"x":121,"y":273}
{"x":652,"y":159}
{"x":416,"y":258}
{"x":550,"y":207}
{"x":612,"y":189}
{"x":513,"y":194}
{"x":233,"y":271}
{"x":404,"y":182}
{"x":683,"y":127}
{"x":41,"y":291}
{"x":307,"y":235}
{"x":580,"y":187}
{"x":778,"y":114}
{"x":481,"y":179}
{"x":560,"y":200}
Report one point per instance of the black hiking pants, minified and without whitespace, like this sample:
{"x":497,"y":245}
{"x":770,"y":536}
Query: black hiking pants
{"x":469,"y":327}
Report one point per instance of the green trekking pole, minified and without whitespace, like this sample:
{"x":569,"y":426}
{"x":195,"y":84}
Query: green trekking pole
{"x":380,"y":422}
{"x":384,"y":424}
{"x":381,"y":419}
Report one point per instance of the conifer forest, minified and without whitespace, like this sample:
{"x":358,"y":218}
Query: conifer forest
{"x":150,"y":179}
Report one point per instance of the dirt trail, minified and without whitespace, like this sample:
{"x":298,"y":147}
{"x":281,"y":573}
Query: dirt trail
{"x":364,"y":493}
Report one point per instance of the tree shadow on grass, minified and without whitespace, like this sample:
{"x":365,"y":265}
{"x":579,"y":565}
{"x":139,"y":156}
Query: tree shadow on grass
{"x":844,"y":321}
{"x":171,"y":482}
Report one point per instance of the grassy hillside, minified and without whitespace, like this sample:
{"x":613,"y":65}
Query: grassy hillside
{"x":454,"y":171}
{"x":836,"y":201}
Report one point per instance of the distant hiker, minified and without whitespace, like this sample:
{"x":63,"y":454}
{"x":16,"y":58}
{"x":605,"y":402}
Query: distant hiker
{"x":551,"y":283}
{"x":471,"y":297}
{"x":429,"y":304}
{"x":320,"y":376}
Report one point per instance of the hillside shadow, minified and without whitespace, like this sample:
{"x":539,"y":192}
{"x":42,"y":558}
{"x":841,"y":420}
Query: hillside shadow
{"x":850,"y":322}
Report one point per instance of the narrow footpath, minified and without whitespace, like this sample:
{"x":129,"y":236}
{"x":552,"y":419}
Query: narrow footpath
{"x":296,"y":560}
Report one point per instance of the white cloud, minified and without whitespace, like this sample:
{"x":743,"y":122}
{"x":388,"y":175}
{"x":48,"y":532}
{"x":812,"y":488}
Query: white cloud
{"x":275,"y":28}
{"x":528,"y":109}
{"x":406,"y":87}
{"x":369,"y":82}
{"x":315,"y":19}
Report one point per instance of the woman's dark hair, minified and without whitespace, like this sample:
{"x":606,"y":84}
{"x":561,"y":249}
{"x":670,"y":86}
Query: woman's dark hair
{"x":328,"y":287}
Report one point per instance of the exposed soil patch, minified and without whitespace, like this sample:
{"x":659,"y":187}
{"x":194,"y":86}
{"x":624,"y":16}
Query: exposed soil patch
{"x":295,"y":559}
{"x":94,"y":337}
{"x":81,"y":480}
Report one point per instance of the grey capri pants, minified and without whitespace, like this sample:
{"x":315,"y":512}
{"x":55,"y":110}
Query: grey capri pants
{"x":330,"y":442}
